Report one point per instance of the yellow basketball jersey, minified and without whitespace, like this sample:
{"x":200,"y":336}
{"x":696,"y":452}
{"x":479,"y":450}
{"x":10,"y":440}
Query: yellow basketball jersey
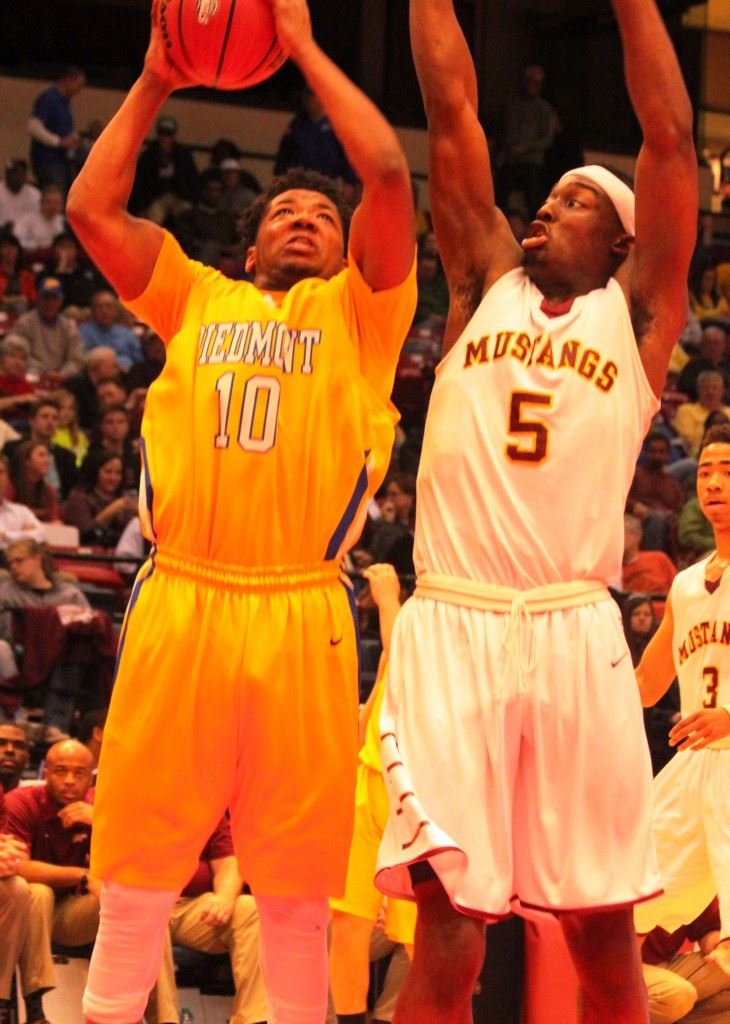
{"x":271,"y":423}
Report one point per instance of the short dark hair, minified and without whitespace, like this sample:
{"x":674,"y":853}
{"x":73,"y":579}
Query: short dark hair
{"x":719,"y":434}
{"x":296,"y":177}
{"x":657,"y":435}
{"x":89,"y":721}
{"x":42,"y":404}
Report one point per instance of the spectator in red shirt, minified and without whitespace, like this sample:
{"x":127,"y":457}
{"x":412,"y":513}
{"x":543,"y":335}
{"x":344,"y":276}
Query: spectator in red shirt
{"x":213,"y":916}
{"x":649,"y":572}
{"x":655,"y":497}
{"x":686,"y":986}
{"x":54,"y":823}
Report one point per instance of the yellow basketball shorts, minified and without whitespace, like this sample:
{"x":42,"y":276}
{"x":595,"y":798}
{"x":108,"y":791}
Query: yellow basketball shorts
{"x":362,"y":898}
{"x":236,"y":690}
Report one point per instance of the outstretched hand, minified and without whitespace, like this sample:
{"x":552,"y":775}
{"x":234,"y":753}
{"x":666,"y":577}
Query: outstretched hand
{"x":699,"y":729}
{"x":293,"y":25}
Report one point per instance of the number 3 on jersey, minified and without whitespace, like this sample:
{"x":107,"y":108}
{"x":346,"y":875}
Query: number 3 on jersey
{"x":534,"y":446}
{"x":259,"y":412}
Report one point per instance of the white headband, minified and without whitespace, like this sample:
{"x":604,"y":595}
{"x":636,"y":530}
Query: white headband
{"x":620,"y":194}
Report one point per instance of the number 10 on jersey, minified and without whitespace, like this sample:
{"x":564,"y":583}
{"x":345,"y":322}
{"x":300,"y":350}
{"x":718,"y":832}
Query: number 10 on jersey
{"x":259,"y":412}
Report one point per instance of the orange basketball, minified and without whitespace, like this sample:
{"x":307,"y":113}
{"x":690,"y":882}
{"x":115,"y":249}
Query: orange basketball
{"x":225,"y":44}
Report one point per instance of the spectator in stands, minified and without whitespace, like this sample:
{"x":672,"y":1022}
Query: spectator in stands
{"x":79,"y":278}
{"x":530,"y":127}
{"x":17,"y":195}
{"x":37,"y":228}
{"x":54,"y":821}
{"x":206,"y":231}
{"x":646,"y":571}
{"x":655,"y":497}
{"x":98,"y":506}
{"x":31,"y":464}
{"x":51,"y":127}
{"x":167,"y":180}
{"x":694,"y":532}
{"x":14,"y":754}
{"x":141,"y":375}
{"x":213,"y":916}
{"x":310,"y":141}
{"x":682,"y":985}
{"x":17,"y":283}
{"x":34,"y":585}
{"x":707,"y":301}
{"x":17,"y":393}
{"x":100,"y":364}
{"x":17,"y":522}
{"x":90,"y":732}
{"x":689,"y":421}
{"x":398,"y":516}
{"x":114,"y":437}
{"x":433,"y":291}
{"x":44,"y":421}
{"x":712,"y":355}
{"x":14,"y":914}
{"x":54,"y":339}
{"x":68,"y":433}
{"x":237,"y":192}
{"x":640,"y":625}
{"x":103,"y":330}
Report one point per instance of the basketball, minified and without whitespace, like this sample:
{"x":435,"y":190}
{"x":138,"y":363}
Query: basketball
{"x":224,"y":44}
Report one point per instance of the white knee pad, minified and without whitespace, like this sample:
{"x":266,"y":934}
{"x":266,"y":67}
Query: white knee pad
{"x":127,"y":953}
{"x":294,"y":958}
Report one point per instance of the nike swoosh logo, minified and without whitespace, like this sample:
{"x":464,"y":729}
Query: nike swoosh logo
{"x":615,"y":663}
{"x":333,"y":643}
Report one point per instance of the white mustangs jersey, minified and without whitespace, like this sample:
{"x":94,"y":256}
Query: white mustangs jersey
{"x":531,"y":441}
{"x":701,"y":640}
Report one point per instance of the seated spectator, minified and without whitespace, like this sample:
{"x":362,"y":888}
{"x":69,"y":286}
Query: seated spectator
{"x":111,"y":391}
{"x":433,"y":290}
{"x":398,"y":516}
{"x":141,"y":375}
{"x":33,"y":584}
{"x":17,"y":283}
{"x":16,"y":521}
{"x":43,"y":425}
{"x":694,"y":532}
{"x":712,"y":356}
{"x":646,"y":571}
{"x":166,"y":181}
{"x":98,"y":506}
{"x":68,"y":433}
{"x":206,"y":231}
{"x":31,"y":464}
{"x":37,"y":228}
{"x":100,"y":364}
{"x":640,"y":625}
{"x":237,"y":193}
{"x":79,"y":277}
{"x":14,"y":913}
{"x":104,"y":331}
{"x":213,"y":916}
{"x":17,"y":195}
{"x":113,"y":436}
{"x":310,"y":141}
{"x":54,"y":339}
{"x":90,"y":732}
{"x":14,"y":755}
{"x":706,"y":299}
{"x":689,"y":421}
{"x":17,"y":393}
{"x":682,"y":985}
{"x":654,"y":496}
{"x":54,"y":823}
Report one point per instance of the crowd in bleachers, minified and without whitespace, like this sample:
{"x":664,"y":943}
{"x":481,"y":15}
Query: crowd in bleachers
{"x":74,"y":370}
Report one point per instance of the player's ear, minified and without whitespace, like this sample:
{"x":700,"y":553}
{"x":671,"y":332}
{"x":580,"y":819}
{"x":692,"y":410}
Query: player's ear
{"x":250,"y":261}
{"x":622,"y":245}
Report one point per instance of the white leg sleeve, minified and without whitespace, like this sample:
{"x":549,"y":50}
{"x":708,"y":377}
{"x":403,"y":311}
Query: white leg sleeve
{"x":127,"y":953}
{"x":294,"y":958}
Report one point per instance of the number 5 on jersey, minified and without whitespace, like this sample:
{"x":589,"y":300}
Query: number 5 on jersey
{"x":534,"y":446}
{"x":259,"y":412}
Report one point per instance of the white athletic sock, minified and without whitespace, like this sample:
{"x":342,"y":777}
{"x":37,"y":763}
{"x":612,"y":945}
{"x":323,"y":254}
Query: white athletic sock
{"x":127,"y":953}
{"x":294,"y":958}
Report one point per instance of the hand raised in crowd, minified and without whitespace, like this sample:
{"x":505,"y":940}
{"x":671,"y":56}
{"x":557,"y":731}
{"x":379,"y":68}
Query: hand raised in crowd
{"x":12,"y":852}
{"x":699,"y":729}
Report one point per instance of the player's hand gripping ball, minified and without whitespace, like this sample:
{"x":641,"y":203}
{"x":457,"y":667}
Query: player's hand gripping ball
{"x":224,"y":44}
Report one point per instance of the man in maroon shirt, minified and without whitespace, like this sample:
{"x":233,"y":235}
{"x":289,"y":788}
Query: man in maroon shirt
{"x":685,"y":986}
{"x":14,"y":912}
{"x":212,"y":916}
{"x":54,"y":823}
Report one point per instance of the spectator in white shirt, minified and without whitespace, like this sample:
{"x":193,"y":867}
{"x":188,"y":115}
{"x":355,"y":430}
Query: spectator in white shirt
{"x":17,"y":195}
{"x":37,"y":229}
{"x":17,"y":522}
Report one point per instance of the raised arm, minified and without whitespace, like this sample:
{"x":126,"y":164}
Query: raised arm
{"x":382,"y":235}
{"x":665,"y":187}
{"x":475,"y":241}
{"x":656,"y":668}
{"x":124,"y":247}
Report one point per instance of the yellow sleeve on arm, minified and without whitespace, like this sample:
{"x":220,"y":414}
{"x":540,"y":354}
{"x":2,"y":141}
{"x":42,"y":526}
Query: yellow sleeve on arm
{"x":383,"y":320}
{"x":162,"y":304}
